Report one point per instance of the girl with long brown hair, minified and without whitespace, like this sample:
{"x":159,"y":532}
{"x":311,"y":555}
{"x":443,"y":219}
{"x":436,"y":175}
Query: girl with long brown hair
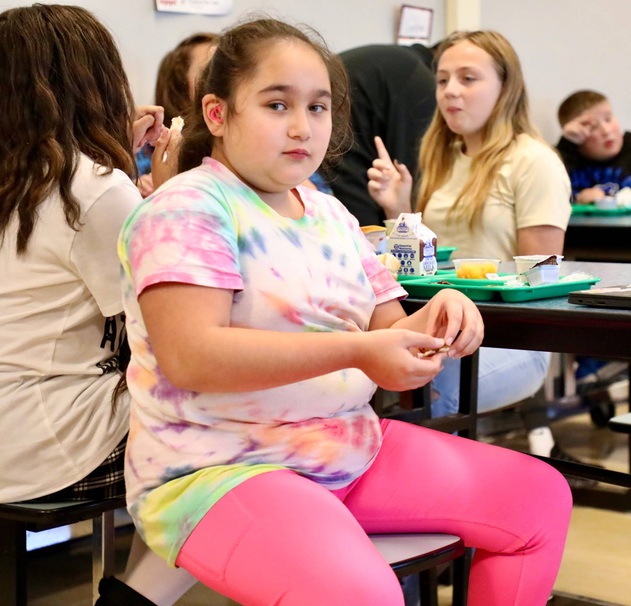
{"x":68,"y":129}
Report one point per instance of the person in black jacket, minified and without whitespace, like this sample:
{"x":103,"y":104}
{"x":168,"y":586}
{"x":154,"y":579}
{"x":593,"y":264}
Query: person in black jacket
{"x":392,"y":92}
{"x":595,"y":152}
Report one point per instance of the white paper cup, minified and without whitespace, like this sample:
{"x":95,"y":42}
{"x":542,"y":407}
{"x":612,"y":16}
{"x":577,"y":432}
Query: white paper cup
{"x":607,"y":203}
{"x":544,"y":274}
{"x":525,"y":262}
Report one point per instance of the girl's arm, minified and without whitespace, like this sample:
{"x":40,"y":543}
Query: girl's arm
{"x":540,"y":240}
{"x":197,"y":349}
{"x":542,"y":202}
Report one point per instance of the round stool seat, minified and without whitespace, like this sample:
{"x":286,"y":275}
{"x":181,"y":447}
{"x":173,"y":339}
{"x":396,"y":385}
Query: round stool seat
{"x":411,"y":553}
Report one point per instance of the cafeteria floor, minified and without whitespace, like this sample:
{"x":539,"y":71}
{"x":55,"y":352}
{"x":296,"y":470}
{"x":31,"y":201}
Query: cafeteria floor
{"x":594,"y":569}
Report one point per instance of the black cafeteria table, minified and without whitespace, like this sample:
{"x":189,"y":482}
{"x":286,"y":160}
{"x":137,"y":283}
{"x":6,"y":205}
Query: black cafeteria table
{"x":558,"y":326}
{"x":598,"y":238}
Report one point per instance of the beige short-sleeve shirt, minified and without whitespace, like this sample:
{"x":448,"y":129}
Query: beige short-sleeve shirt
{"x":532,"y":189}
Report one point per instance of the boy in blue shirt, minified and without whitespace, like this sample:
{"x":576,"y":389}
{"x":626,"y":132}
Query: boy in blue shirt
{"x":594,"y":149}
{"x":597,"y":156}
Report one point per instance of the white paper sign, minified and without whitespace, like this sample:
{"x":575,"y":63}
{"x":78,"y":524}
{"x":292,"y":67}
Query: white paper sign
{"x":195,"y":7}
{"x":415,"y":24}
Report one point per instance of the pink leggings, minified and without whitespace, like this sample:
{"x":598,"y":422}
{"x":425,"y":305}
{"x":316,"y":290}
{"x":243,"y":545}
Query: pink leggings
{"x":281,"y":539}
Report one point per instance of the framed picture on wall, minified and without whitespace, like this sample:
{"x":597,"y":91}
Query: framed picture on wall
{"x":195,"y":7}
{"x":415,"y":25}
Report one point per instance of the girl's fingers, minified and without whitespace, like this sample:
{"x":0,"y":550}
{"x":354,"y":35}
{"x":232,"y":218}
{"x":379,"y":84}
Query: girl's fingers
{"x":444,"y":318}
{"x":164,"y":159}
{"x":402,"y":169}
{"x":424,"y":341}
{"x":459,"y":324}
{"x":161,"y":143}
{"x":382,"y":165}
{"x":140,"y":129}
{"x":375,"y":174}
{"x":374,"y":187}
{"x":468,"y":340}
{"x":382,"y":152}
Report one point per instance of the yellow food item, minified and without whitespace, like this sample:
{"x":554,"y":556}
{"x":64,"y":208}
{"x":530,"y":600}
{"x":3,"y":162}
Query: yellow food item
{"x":368,"y":229}
{"x":476,"y":271}
{"x":391,"y":263}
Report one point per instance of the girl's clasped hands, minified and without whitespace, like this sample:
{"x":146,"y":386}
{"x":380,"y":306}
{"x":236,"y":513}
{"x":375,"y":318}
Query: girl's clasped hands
{"x":449,"y":319}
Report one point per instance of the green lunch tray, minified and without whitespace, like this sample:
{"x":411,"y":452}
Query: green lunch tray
{"x":592,"y":210}
{"x":444,"y":252}
{"x":441,"y":274}
{"x":491,"y":290}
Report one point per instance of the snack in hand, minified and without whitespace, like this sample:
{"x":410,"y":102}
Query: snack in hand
{"x":430,"y":352}
{"x":177,"y":124}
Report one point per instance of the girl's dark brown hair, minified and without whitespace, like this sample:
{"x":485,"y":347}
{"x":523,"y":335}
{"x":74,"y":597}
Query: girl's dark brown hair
{"x":236,"y":58}
{"x":172,"y":91}
{"x":63,"y":90}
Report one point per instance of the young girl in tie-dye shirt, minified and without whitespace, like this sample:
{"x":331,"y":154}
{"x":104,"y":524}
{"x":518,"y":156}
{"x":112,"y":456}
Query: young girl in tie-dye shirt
{"x":260,"y":323}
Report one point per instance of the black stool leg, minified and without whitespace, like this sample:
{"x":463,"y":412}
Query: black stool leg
{"x":428,"y":587}
{"x":12,"y":563}
{"x":103,"y":550}
{"x":461,"y":567}
{"x":629,"y":402}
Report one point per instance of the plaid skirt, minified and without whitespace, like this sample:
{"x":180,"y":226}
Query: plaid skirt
{"x":107,"y":481}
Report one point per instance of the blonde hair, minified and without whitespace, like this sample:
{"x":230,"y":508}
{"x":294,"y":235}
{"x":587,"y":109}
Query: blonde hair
{"x":508,"y":119}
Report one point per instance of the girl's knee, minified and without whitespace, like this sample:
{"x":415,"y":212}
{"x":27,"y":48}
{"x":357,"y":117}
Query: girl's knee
{"x":549,"y":503}
{"x":360,"y":577}
{"x":537,"y":496}
{"x":557,"y":490}
{"x":359,"y":586}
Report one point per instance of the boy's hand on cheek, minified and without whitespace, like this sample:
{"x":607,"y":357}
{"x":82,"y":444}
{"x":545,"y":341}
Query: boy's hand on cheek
{"x":579,"y":129}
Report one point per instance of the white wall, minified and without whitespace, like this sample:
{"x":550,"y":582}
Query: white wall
{"x":144,"y":35}
{"x":564,"y":46}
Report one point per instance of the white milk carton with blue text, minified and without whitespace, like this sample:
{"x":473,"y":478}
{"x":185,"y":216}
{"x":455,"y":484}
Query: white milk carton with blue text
{"x":414,"y":245}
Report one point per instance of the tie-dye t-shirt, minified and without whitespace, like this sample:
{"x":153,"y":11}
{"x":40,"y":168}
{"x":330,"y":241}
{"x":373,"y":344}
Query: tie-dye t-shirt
{"x":313,"y":274}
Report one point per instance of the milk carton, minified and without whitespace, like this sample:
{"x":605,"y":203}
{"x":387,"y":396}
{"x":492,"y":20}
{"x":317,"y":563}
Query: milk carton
{"x":414,"y":245}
